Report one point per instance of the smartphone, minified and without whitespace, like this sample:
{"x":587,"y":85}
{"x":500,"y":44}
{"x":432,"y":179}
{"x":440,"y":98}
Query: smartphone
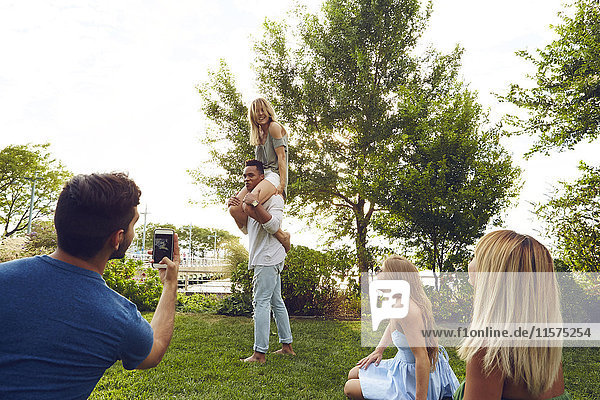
{"x":162,"y":247}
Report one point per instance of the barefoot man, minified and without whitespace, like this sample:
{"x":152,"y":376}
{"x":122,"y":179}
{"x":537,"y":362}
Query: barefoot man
{"x":266,"y":257}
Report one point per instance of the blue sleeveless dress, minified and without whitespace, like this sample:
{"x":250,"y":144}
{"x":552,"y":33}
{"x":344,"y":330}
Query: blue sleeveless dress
{"x":396,"y":378}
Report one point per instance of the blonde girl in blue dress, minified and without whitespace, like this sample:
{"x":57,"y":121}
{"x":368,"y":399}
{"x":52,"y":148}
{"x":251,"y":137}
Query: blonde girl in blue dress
{"x":420,"y":369}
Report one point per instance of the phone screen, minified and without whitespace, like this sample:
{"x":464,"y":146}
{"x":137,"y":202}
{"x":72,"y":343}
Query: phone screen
{"x":163,"y":246}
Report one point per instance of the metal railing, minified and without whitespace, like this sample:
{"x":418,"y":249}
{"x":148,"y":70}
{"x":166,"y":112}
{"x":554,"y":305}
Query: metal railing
{"x":195,"y":270}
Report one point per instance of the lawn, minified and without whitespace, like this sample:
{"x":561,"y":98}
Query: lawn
{"x":203,"y":363}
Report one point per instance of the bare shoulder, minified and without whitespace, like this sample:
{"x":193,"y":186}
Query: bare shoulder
{"x":276,"y":130}
{"x":482,"y":383}
{"x":413,"y":321}
{"x":414,"y":315}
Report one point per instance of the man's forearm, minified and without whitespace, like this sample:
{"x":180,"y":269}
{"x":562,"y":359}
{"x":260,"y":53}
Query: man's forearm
{"x":259,"y":213}
{"x":163,"y":320}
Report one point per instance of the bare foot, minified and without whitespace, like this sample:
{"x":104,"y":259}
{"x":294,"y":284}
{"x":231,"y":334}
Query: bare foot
{"x":285,"y":349}
{"x":286,"y":241}
{"x":254,"y":358}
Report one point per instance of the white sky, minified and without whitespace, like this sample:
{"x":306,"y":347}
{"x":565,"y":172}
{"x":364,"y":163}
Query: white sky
{"x":111,"y":85}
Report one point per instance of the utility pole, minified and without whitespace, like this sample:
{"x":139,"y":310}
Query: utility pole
{"x":35,"y":178}
{"x":214,"y":235}
{"x":145,"y":213}
{"x":190,"y":251}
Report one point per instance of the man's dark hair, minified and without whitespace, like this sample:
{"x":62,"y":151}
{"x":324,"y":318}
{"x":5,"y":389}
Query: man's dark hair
{"x":90,"y":208}
{"x":258,"y":164}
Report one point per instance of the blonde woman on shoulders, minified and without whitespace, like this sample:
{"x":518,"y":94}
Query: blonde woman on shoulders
{"x":271,"y":148}
{"x":514,"y":282}
{"x":420,"y":369}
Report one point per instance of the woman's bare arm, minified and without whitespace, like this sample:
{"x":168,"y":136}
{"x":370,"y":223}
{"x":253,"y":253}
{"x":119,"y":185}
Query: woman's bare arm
{"x":277,"y":132}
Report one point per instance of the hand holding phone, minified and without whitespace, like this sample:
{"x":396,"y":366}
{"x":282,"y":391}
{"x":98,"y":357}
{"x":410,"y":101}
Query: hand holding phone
{"x":162,"y":246}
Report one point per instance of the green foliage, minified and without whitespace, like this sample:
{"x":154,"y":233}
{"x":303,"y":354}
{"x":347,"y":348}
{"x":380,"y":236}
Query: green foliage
{"x":348,"y":86}
{"x":338,"y":91}
{"x":42,"y":239}
{"x":241,"y":278}
{"x":235,"y":254}
{"x":19,"y":165}
{"x":141,"y":286}
{"x":580,"y":296}
{"x":572,"y":215}
{"x":448,"y":177}
{"x":198,"y":303}
{"x":564,"y":104}
{"x":453,"y":300}
{"x":13,"y":248}
{"x":237,"y":304}
{"x":310,"y":282}
{"x":228,"y":139}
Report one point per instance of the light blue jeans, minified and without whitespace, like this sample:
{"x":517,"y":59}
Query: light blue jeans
{"x":266,"y":290}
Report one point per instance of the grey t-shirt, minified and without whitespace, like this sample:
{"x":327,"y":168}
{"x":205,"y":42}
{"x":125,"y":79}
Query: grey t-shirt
{"x":266,"y":154}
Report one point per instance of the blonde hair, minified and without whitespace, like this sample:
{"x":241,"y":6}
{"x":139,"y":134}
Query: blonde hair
{"x":254,"y":125}
{"x":512,"y":267}
{"x":399,"y":268}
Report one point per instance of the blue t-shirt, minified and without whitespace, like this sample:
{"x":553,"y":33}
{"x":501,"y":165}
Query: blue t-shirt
{"x":61,"y":327}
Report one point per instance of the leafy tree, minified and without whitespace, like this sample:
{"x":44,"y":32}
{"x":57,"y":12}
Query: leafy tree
{"x":342,"y":82}
{"x":564,"y":106}
{"x":564,"y":103}
{"x":339,"y":91}
{"x":573,"y":216}
{"x":19,"y":166}
{"x":235,"y":254}
{"x":449,"y":176}
{"x":227,"y":139}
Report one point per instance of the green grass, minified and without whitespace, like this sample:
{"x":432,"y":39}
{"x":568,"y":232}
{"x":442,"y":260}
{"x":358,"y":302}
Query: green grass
{"x":203,"y":363}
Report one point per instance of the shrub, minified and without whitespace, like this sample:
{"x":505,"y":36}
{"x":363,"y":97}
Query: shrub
{"x":453,"y":301}
{"x":198,"y":303}
{"x":12,"y":248}
{"x":241,"y":278}
{"x":141,"y":286}
{"x":42,"y":239}
{"x":237,"y":304}
{"x":311,"y":282}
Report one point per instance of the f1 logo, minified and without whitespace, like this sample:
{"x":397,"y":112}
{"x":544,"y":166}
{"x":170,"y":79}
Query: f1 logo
{"x":389,"y":299}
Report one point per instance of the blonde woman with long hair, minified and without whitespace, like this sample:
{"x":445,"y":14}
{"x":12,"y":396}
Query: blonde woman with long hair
{"x":271,"y":148}
{"x":420,"y":369}
{"x":514,"y":282}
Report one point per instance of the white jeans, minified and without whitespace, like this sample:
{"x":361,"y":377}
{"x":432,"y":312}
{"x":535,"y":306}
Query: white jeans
{"x":266,"y":290}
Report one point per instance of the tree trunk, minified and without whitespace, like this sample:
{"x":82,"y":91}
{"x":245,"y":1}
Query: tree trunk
{"x":362,"y":223}
{"x":435,"y":255}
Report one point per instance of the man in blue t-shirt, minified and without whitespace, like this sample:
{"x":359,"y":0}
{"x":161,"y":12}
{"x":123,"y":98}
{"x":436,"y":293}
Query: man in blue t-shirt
{"x":61,"y":326}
